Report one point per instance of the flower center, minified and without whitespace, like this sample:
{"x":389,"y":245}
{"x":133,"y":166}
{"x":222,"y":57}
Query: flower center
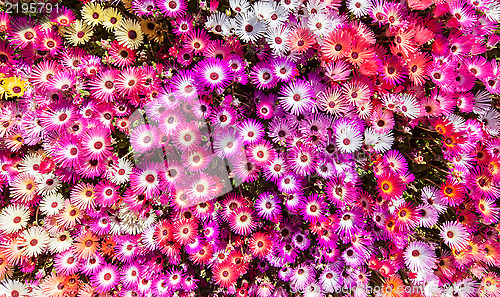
{"x":132,"y":34}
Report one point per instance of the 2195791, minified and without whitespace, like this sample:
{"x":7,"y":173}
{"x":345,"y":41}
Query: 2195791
{"x":30,"y":7}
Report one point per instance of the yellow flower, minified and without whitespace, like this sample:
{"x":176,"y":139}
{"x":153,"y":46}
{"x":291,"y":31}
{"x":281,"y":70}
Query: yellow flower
{"x":92,"y":14}
{"x":111,"y":18}
{"x":129,"y":33}
{"x":14,"y":86}
{"x":78,"y":33}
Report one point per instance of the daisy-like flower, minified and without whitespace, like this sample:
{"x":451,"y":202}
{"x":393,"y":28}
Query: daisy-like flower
{"x":337,"y":45}
{"x":249,"y":28}
{"x":13,"y":218}
{"x":417,"y":64}
{"x":382,"y":121}
{"x":147,"y":181}
{"x":51,"y":204}
{"x":348,"y":137}
{"x":92,"y":14}
{"x":428,"y":216}
{"x":129,"y":33}
{"x":121,"y":55}
{"x":454,"y":235}
{"x":284,"y":69}
{"x":277,"y":39}
{"x":225,"y":274}
{"x":86,"y":245}
{"x":393,"y":70}
{"x":130,"y":81}
{"x":197,"y":40}
{"x":187,"y":137}
{"x":260,"y":244}
{"x":23,"y":188}
{"x":69,"y":216}
{"x":213,"y":73}
{"x":297,"y":97}
{"x":303,"y":160}
{"x":144,"y":8}
{"x":359,"y":7}
{"x":144,"y":138}
{"x":60,"y":242}
{"x":105,"y":279}
{"x":172,"y":8}
{"x":332,"y":102}
{"x":111,"y":18}
{"x":121,"y":173}
{"x":262,"y":76}
{"x":63,"y":16}
{"x":34,"y":241}
{"x":268,"y":206}
{"x":409,"y":106}
{"x":10,"y":287}
{"x":302,"y":276}
{"x":83,"y":196}
{"x":49,"y":41}
{"x":489,"y":210}
{"x":78,"y":33}
{"x":43,"y":72}
{"x":185,"y":231}
{"x":196,"y":160}
{"x":261,"y":153}
{"x":452,"y":193}
{"x":390,"y":186}
{"x":242,"y":221}
{"x":314,"y":209}
{"x":396,"y":162}
{"x":338,"y":71}
{"x":23,"y":31}
{"x":251,"y":131}
{"x":480,"y":180}
{"x":406,"y":216}
{"x":300,"y":40}
{"x":202,"y":188}
{"x":96,"y":144}
{"x":103,"y":85}
{"x":14,"y":86}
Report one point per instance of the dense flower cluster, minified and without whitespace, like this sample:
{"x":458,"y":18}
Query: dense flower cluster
{"x":265,"y":148}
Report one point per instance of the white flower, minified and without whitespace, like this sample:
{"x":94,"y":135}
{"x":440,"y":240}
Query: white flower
{"x":14,"y":218}
{"x":419,"y":256}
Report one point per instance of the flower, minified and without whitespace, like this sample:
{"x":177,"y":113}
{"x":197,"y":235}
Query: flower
{"x":454,"y":235}
{"x":390,"y":186}
{"x":128,"y":32}
{"x":242,"y":221}
{"x":419,"y":256}
{"x":105,"y":279}
{"x":213,"y":73}
{"x":260,"y":244}
{"x":78,"y":33}
{"x":14,"y":218}
{"x":336,"y":45}
{"x":224,"y":274}
{"x":296,"y":97}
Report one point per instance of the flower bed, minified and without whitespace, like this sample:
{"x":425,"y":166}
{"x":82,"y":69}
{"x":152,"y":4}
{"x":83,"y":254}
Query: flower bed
{"x":321,"y":148}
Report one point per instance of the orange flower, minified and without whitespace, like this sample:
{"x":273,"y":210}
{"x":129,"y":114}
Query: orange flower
{"x":337,"y":45}
{"x":393,"y":287}
{"x":86,"y":245}
{"x":54,"y":286}
{"x":300,"y":40}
